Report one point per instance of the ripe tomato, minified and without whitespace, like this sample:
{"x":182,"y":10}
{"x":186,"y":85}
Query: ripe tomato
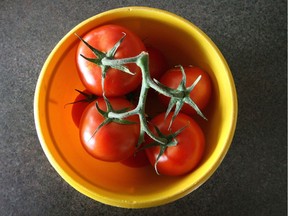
{"x":153,"y":106}
{"x":201,"y":94}
{"x":188,"y":152}
{"x":157,"y":62}
{"x":112,"y":142}
{"x":81,"y":101}
{"x":103,"y":39}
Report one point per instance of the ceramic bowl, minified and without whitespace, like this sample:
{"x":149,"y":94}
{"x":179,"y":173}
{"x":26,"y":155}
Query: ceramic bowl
{"x":114,"y":183}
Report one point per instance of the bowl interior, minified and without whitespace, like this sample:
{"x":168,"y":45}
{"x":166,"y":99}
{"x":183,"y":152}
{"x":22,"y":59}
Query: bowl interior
{"x":114,"y":183}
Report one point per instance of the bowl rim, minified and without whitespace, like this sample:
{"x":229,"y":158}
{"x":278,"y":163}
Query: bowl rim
{"x":112,"y":200}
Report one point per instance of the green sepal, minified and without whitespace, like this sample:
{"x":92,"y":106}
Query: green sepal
{"x":179,"y":102}
{"x":114,"y":49}
{"x":102,"y":112}
{"x":105,"y":122}
{"x":93,"y":60}
{"x":97,"y":53}
{"x":88,"y":98}
{"x":170,"y":141}
{"x":108,"y":120}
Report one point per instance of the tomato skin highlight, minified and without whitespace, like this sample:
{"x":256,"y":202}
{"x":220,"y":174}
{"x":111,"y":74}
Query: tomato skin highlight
{"x":103,"y":38}
{"x":201,"y":94}
{"x":113,"y":142}
{"x":186,"y":155}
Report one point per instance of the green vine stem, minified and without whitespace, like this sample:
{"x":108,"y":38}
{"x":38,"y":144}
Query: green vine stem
{"x":142,"y":60}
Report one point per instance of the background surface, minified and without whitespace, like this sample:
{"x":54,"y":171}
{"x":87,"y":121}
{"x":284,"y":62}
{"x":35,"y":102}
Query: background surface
{"x":252,"y":35}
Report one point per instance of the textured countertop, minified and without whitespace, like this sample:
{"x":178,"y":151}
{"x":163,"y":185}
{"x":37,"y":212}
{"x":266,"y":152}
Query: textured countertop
{"x":252,"y":179}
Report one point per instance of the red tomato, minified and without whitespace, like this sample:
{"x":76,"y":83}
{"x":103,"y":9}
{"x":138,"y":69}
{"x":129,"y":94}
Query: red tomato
{"x":201,"y":94}
{"x":153,"y":106}
{"x":188,"y":152}
{"x":103,"y":39}
{"x":80,"y":103}
{"x":112,"y":142}
{"x":157,"y":62}
{"x":139,"y":159}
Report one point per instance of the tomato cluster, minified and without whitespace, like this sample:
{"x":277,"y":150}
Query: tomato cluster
{"x":172,"y":142}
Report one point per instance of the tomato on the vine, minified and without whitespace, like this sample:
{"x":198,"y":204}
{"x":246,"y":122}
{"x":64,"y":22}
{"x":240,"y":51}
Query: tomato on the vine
{"x":112,"y":142}
{"x":109,"y":132}
{"x":103,"y":39}
{"x":157,"y":62}
{"x":183,"y":157}
{"x":201,"y":93}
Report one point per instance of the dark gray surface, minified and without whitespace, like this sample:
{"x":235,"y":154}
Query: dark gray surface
{"x":251,"y":180}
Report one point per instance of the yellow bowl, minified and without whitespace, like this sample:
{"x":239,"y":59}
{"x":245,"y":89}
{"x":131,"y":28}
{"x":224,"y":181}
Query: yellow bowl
{"x":113,"y":183}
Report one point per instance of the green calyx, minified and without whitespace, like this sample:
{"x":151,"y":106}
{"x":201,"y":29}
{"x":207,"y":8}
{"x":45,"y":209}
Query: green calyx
{"x":178,"y":97}
{"x":88,"y":98}
{"x":184,"y":98}
{"x":108,"y":119}
{"x":170,"y":141}
{"x":100,"y":56}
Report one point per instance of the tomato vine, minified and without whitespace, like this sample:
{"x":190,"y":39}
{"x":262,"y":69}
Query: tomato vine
{"x":178,"y":97}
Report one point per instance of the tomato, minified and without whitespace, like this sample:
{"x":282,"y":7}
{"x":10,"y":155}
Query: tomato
{"x":201,"y":94}
{"x":186,"y":155}
{"x":157,"y":62}
{"x":139,"y":159}
{"x":112,"y":142}
{"x":81,"y":101}
{"x":153,"y":105}
{"x":103,"y":39}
